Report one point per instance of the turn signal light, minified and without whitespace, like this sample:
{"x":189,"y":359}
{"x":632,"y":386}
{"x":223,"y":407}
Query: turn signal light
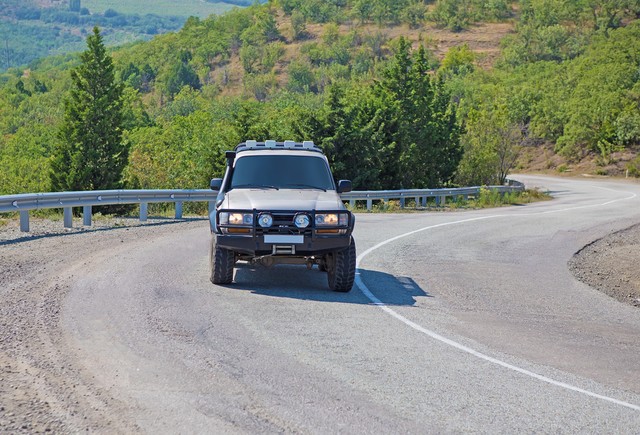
{"x":239,"y":230}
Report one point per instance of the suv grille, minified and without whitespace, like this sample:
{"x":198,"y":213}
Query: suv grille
{"x":283,"y":224}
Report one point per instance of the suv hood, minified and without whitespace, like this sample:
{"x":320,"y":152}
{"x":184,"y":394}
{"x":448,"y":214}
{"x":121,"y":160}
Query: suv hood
{"x":283,"y":199}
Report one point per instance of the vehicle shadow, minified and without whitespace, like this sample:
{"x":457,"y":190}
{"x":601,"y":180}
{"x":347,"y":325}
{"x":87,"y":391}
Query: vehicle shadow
{"x":297,"y":282}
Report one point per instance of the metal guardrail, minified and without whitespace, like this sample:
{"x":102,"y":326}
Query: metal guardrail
{"x":421,"y":195}
{"x":23,"y":203}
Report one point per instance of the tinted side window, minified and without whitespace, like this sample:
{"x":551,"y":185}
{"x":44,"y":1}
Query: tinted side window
{"x":283,"y":172}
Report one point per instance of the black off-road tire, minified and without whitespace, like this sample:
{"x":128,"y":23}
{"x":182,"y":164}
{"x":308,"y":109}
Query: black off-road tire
{"x":221,"y":262}
{"x":342,"y":269}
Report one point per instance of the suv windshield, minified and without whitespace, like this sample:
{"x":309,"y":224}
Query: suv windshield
{"x":282,"y":172}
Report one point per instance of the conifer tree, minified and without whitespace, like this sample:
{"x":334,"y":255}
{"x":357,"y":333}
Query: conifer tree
{"x":424,"y":145}
{"x":90,"y":154}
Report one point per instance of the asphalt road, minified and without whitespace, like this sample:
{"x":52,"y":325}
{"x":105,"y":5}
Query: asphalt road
{"x":459,"y":322}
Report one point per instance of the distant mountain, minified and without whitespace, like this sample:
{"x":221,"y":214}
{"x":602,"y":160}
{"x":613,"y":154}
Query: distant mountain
{"x":31,"y":29}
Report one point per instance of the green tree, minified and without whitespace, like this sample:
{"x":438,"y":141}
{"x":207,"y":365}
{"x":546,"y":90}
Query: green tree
{"x":399,"y":132}
{"x":259,"y":85}
{"x":91,"y":154}
{"x":301,"y":77}
{"x":458,"y":61}
{"x":24,"y":160}
{"x":457,"y":15}
{"x":271,"y":56}
{"x":298,"y":26}
{"x":454,"y":14}
{"x":434,"y":133}
{"x":609,"y":14}
{"x":423,"y":136}
{"x":178,"y":75}
{"x":362,"y":10}
{"x":414,"y":14}
{"x":250,"y":56}
{"x":248,"y":121}
{"x":264,"y":28}
{"x":346,"y":138}
{"x":492,"y":145}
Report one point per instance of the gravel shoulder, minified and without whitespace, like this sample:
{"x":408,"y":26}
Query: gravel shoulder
{"x":41,"y":390}
{"x":610,"y":265}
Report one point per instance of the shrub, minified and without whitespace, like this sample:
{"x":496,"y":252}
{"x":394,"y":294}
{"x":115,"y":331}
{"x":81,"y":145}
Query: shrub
{"x":489,"y":198}
{"x":633,"y":167}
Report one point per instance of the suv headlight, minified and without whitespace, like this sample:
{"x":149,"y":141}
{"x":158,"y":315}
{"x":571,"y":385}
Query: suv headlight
{"x":332,"y":219}
{"x":227,"y":218}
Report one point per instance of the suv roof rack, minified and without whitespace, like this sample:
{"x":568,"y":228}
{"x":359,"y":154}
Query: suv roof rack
{"x":306,"y":145}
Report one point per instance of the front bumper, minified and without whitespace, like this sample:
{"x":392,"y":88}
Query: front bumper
{"x":285,"y":239}
{"x":255,"y":246}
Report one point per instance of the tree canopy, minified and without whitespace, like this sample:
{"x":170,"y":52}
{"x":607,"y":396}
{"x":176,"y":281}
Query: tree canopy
{"x":90,"y":154}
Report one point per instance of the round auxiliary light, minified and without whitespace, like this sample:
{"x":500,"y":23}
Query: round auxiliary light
{"x":302,"y":220}
{"x":265,"y":220}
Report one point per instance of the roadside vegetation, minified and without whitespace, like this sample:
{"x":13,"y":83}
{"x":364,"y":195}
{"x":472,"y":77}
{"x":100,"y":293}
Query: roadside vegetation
{"x":369,"y":81}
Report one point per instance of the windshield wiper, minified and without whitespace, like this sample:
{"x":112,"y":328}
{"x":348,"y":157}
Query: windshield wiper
{"x":254,"y":186}
{"x":308,"y":186}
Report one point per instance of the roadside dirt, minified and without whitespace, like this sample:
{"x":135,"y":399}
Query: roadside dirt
{"x":542,"y":159}
{"x":612,"y":265}
{"x":41,"y":388}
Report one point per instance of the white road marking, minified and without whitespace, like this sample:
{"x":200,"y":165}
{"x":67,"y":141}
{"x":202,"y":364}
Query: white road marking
{"x":365,"y":290}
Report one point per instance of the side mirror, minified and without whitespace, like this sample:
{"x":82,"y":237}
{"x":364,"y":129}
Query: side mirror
{"x":216,"y":184}
{"x":344,"y":186}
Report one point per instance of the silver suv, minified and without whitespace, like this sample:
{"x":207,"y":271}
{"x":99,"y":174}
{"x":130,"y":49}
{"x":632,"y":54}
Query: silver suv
{"x":278,"y":203}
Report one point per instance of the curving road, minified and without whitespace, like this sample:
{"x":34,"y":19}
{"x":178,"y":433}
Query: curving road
{"x":459,"y":322}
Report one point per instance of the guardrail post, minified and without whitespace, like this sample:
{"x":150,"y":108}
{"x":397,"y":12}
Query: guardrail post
{"x":24,"y":221}
{"x":143,"y":212}
{"x":179,"y":210}
{"x":369,"y":204}
{"x":86,"y":215}
{"x":402,"y":202}
{"x":424,"y":201}
{"x":352,"y":204}
{"x":443,"y":200}
{"x":67,"y":214}
{"x":417,"y":201}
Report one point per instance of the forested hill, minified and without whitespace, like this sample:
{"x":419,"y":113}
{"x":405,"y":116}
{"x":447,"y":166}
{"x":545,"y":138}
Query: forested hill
{"x":400,"y":93}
